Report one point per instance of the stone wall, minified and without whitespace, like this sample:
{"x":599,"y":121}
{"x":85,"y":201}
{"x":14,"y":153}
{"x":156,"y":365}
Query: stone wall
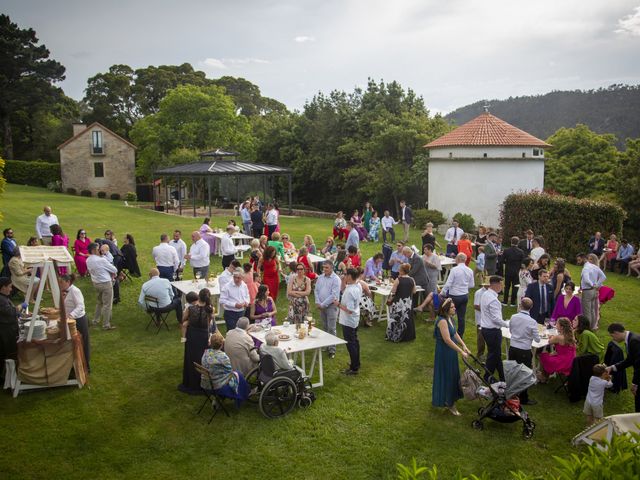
{"x":77,"y":165}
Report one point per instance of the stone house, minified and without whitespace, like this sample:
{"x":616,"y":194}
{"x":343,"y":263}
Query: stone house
{"x":98,"y":160}
{"x":474,"y":167}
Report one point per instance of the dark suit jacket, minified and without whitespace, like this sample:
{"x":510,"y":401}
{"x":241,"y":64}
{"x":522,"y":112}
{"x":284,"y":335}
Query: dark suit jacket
{"x":533,"y":292}
{"x":418,"y":271}
{"x":633,"y":358}
{"x":596,"y":246}
{"x":512,"y":258}
{"x":408,"y":214}
{"x":523,"y":245}
{"x":490,"y":258}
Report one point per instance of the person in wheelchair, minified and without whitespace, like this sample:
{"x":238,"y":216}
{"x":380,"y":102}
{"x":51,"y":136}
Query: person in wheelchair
{"x":271,"y":348}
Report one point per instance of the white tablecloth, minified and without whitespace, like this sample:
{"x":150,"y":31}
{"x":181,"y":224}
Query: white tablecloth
{"x":544,"y":340}
{"x":238,"y":238}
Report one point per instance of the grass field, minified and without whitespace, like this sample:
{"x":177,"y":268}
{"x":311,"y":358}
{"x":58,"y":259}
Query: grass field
{"x":131,"y":422}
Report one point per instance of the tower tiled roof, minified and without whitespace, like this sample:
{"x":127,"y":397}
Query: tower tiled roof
{"x":487,"y":129}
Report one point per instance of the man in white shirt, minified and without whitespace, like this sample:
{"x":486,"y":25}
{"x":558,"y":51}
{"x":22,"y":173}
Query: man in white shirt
{"x":181,"y":250}
{"x":227,"y":247}
{"x":227,"y":274}
{"x":161,"y":289}
{"x":271,"y":219}
{"x":491,"y":322}
{"x":166,"y":258}
{"x":43,"y":225}
{"x":524,"y":331}
{"x":199,"y":255}
{"x":102,"y":274}
{"x":327,"y":291}
{"x":353,"y":238}
{"x":451,"y":237}
{"x":457,"y":287}
{"x":234,"y":298}
{"x":387,"y":223}
{"x":591,"y":279}
{"x":406,"y":217}
{"x":477,"y":297}
{"x":350,"y":319}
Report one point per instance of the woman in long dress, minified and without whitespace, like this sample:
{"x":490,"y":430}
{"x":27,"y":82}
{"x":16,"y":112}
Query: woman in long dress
{"x":196,"y":321}
{"x":356,"y":219}
{"x":59,"y":239}
{"x":81,"y":251}
{"x":446,"y":372}
{"x":206,"y":232}
{"x":269,"y":268}
{"x":298,"y":291}
{"x":130,"y":255}
{"x":374,"y":227}
{"x":401,"y":327}
{"x":565,"y":351}
{"x":525,"y":278}
{"x":367,"y":213}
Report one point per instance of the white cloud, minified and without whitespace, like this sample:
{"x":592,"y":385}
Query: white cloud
{"x":226,"y":63}
{"x":630,"y":24}
{"x":304,"y":39}
{"x":213,"y":63}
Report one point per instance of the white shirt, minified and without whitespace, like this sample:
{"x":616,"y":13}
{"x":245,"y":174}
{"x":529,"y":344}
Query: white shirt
{"x":74,"y":302}
{"x":225,"y":277}
{"x":226,"y":246}
{"x":199,"y":252}
{"x":595,"y":395}
{"x":450,"y":233}
{"x":460,"y":280}
{"x":524,"y":330}
{"x":43,"y":225}
{"x":181,"y":250}
{"x":351,"y":300}
{"x":165,"y":255}
{"x":100,"y":269}
{"x":491,"y":311}
{"x":272,"y":217}
{"x":476,"y":303}
{"x":387,"y":223}
{"x":232,"y":294}
{"x":591,"y":276}
{"x":536,"y":253}
{"x":156,"y":287}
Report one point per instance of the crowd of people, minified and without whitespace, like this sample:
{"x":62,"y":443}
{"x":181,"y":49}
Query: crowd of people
{"x":343,"y":287}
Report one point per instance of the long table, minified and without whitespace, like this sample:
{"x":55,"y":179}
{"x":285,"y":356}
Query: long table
{"x":186,"y":286}
{"x":296,"y":348}
{"x":545,"y":333}
{"x":238,"y":240}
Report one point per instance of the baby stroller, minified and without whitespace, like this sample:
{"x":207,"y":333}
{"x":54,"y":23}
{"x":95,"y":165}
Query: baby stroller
{"x":504,"y":405}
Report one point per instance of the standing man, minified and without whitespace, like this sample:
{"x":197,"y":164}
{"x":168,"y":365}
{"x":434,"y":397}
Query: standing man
{"x":352,"y":238}
{"x":227,"y":248}
{"x":166,"y":258}
{"x":327,"y":293}
{"x":524,"y":331}
{"x":541,"y":295}
{"x":591,"y":279}
{"x":451,"y":237}
{"x":406,"y":217}
{"x":418,"y":271}
{"x":161,"y":289}
{"x":491,"y":254}
{"x":492,"y":323}
{"x":7,"y":246}
{"x":477,"y":298}
{"x":234,"y":298}
{"x":245,"y":214}
{"x":457,"y":287}
{"x":181,"y":249}
{"x":526,"y":244}
{"x":350,"y":319}
{"x":102,"y":274}
{"x":257,"y":223}
{"x":512,"y":258}
{"x":43,"y":225}
{"x":199,"y":255}
{"x":271,"y":220}
{"x":388,"y":222}
{"x":632,"y":343}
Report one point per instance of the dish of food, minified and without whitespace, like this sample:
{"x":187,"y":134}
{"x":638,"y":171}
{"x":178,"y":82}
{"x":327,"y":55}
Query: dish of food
{"x":284,"y":337}
{"x":276,"y":331}
{"x":373,"y":288}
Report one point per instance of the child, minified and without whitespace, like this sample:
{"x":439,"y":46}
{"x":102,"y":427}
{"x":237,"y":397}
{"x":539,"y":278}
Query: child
{"x":292,"y":271}
{"x":595,"y":396}
{"x":480,"y":273}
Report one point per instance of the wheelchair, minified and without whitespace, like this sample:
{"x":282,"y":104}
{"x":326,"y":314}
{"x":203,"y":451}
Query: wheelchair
{"x":279,"y":391}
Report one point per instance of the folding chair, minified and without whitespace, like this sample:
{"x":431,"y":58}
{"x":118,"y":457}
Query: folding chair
{"x":217,"y":402}
{"x":157,"y":316}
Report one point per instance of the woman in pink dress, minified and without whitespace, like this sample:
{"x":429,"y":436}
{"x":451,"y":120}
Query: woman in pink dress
{"x":612,"y":247}
{"x":567,"y":305}
{"x":59,"y":239}
{"x":565,"y":345}
{"x":206,"y":232}
{"x":81,"y":249}
{"x":248,"y":280}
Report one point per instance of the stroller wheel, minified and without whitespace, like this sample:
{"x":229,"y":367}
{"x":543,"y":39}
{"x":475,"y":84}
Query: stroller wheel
{"x":477,"y":424}
{"x":527,"y":432}
{"x":480,"y":410}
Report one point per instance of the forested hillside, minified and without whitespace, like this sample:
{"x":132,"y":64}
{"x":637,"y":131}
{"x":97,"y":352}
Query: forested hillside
{"x":606,"y":110}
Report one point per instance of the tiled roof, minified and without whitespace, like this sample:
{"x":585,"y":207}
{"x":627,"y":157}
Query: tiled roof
{"x":487,"y":129}
{"x":96,"y":124}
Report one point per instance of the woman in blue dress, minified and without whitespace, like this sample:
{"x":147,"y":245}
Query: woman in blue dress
{"x":374,"y":227}
{"x":446,"y":373}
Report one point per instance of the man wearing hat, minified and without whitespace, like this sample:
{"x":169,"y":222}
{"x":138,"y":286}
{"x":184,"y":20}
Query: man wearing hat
{"x":227,"y":248}
{"x":477,"y":297}
{"x":491,"y":254}
{"x":234,"y":298}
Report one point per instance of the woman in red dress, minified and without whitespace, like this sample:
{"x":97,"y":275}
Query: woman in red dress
{"x":81,"y":249}
{"x":270,"y":269}
{"x":303,"y":258}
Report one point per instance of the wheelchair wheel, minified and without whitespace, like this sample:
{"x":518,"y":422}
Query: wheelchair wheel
{"x":278,"y":397}
{"x":254,"y":383}
{"x":305,"y":401}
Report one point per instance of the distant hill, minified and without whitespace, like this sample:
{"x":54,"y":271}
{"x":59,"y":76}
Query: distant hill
{"x":615,"y":109}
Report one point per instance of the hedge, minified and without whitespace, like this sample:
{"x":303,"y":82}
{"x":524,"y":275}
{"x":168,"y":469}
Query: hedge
{"x":421,"y":216}
{"x":565,"y":223}
{"x":37,"y":174}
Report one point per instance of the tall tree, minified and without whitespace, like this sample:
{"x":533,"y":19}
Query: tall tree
{"x":27,"y":75}
{"x":248,"y":98}
{"x":628,"y":187}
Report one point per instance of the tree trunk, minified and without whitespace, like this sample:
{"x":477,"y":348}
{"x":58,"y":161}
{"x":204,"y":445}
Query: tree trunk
{"x":8,"y":139}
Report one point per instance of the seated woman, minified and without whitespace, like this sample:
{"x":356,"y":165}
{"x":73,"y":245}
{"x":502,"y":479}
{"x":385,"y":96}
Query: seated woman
{"x":611,"y":253}
{"x":565,"y":346}
{"x":21,"y":275}
{"x":588,"y":342}
{"x":340,"y":227}
{"x":353,"y":257}
{"x":367,"y":307}
{"x":374,"y":227}
{"x":303,"y":258}
{"x":277,"y":244}
{"x":130,"y":255}
{"x":271,"y":348}
{"x":329,"y":250}
{"x":356,"y":219}
{"x":634,"y":265}
{"x":567,"y":305}
{"x":224,"y":380}
{"x":288,"y":245}
{"x":310,"y":244}
{"x":264,"y":308}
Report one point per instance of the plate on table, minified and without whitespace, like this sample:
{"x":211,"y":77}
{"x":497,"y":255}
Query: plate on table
{"x":276,"y":331}
{"x":373,"y":289}
{"x":284,"y":337}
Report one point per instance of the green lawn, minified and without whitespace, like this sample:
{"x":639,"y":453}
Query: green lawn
{"x":133,"y":423}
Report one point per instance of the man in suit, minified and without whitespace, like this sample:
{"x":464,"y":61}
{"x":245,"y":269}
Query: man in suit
{"x":512,"y":259}
{"x":541,"y":293}
{"x":526,"y":244}
{"x":596,"y":244}
{"x":491,"y":254}
{"x":632,"y":344}
{"x":418,"y":271}
{"x":406,"y":217}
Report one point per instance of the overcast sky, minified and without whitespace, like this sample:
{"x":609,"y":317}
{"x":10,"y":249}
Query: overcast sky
{"x":452,"y":52}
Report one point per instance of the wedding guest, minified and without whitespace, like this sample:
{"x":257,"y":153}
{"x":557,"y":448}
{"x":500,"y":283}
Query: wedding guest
{"x":567,"y":305}
{"x":541,"y":264}
{"x":303,"y":258}
{"x":198,"y":255}
{"x":453,"y":234}
{"x":565,"y":351}
{"x":353,"y":238}
{"x":257,"y":223}
{"x":43,"y":225}
{"x":349,"y":318}
{"x":526,"y":244}
{"x":329,"y":250}
{"x":81,"y":251}
{"x":8,"y":323}
{"x":59,"y":239}
{"x":588,"y":342}
{"x":477,"y":298}
{"x":537,"y":251}
{"x":491,"y":254}
{"x":326,"y":294}
{"x":374,"y":227}
{"x":367,"y":214}
{"x":356,"y":222}
{"x":464,"y":246}
{"x":428,"y":237}
{"x":166,"y":258}
{"x":7,"y":246}
{"x":270,"y":347}
{"x":524,"y":275}
{"x":524,"y":331}
{"x":491,"y":322}
{"x":234,"y":298}
{"x":559,"y":277}
{"x":373,"y":268}
{"x":406,"y":217}
{"x":298,"y":291}
{"x":245,"y":214}
{"x":596,"y":244}
{"x":541,"y":293}
{"x":288,"y":245}
{"x":270,"y":269}
{"x":401,"y":327}
{"x":309,"y":244}
{"x":457,"y":287}
{"x":632,"y":343}
{"x":623,"y":257}
{"x":130,"y":256}
{"x":591,"y":279}
{"x":252,"y":286}
{"x":263,"y":308}
{"x":340,"y":227}
{"x":433,"y":266}
{"x":610,"y":253}
{"x":160,"y":289}
{"x":271,"y":219}
{"x":418,"y":271}
{"x":21,"y":276}
{"x":481,"y":270}
{"x":240,"y":348}
{"x":102,"y":274}
{"x":181,"y":249}
{"x":396,"y":259}
{"x":387,"y":223}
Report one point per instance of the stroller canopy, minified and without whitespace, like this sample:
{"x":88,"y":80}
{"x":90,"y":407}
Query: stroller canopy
{"x":518,"y":377}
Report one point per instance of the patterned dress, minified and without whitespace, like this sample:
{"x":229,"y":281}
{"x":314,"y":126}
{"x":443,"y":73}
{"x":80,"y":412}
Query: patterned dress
{"x":374,"y":228}
{"x":298,"y":306}
{"x":400,"y":327}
